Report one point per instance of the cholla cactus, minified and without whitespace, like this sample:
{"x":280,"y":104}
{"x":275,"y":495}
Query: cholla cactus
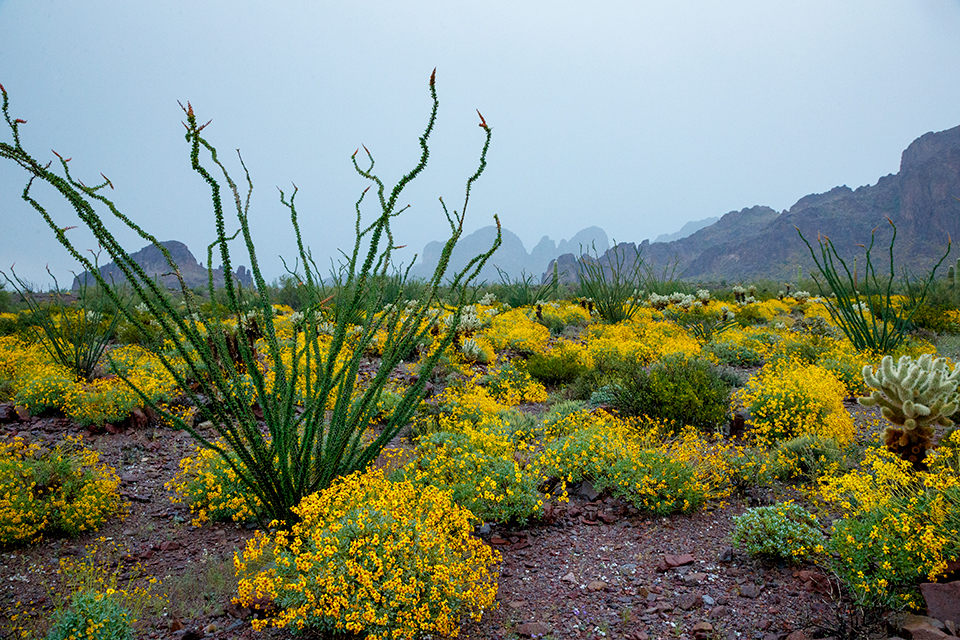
{"x":703,"y":295}
{"x":469,"y":321}
{"x":488,"y":299}
{"x":801,"y":296}
{"x":658,"y":302}
{"x":473,"y":352}
{"x":915,"y":396}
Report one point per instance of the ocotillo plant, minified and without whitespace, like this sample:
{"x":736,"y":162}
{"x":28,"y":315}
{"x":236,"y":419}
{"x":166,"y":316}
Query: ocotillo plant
{"x":313,"y":408}
{"x":885,"y":327}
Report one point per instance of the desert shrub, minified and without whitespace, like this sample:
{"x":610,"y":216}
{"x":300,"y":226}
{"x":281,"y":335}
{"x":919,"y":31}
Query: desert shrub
{"x":937,"y":318}
{"x":790,"y":398}
{"x":899,"y":527}
{"x":372,"y":557}
{"x":558,"y":316}
{"x":92,"y":616}
{"x":605,"y":454}
{"x":481,"y":473}
{"x":785,"y":531}
{"x":806,"y":456}
{"x":39,"y":383}
{"x":562,"y":363}
{"x":749,"y":315}
{"x":555,"y":422}
{"x":643,"y":340}
{"x":210,"y":487}
{"x":733,"y":354}
{"x":749,"y":467}
{"x":61,"y":490}
{"x":516,"y":331}
{"x":676,"y":389}
{"x":512,"y":384}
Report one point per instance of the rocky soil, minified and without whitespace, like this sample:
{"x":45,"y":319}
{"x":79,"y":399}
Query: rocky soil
{"x":593,"y":568}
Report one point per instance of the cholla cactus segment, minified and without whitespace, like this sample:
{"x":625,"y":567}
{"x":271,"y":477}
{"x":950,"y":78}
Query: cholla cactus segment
{"x":914,"y":394}
{"x":469,"y":320}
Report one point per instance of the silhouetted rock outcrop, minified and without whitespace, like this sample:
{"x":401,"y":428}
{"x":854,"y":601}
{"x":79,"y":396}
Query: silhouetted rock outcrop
{"x":511,"y":258}
{"x":155,"y":265}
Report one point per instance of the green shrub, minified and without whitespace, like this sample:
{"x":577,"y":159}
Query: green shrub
{"x":936,"y":318}
{"x":676,"y":389}
{"x":806,"y":456}
{"x":560,"y":365}
{"x":482,"y":478}
{"x":883,"y":554}
{"x":373,"y":559}
{"x":785,"y":531}
{"x":92,"y":616}
{"x":736,"y":355}
{"x":651,"y":481}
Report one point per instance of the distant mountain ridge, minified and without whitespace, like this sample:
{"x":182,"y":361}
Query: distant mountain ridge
{"x":155,"y":265}
{"x":687,"y":229}
{"x":512,"y":257}
{"x":754,"y":243}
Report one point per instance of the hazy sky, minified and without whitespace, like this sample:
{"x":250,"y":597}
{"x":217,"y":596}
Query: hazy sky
{"x":633,"y":116}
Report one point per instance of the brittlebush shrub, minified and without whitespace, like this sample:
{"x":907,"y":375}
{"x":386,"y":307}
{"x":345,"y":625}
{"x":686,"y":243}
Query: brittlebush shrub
{"x":65,"y":490}
{"x":607,"y":455}
{"x":899,"y":527}
{"x":790,"y":398}
{"x":677,"y":390}
{"x":372,"y":557}
{"x":212,"y":490}
{"x":481,"y":472}
{"x":92,"y":616}
{"x":515,"y":330}
{"x":561,"y":364}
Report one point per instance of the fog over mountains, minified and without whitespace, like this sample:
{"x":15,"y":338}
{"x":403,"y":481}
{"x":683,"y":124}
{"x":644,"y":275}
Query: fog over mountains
{"x":922,"y":199}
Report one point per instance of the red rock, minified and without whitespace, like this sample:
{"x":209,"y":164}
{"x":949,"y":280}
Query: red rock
{"x":924,"y":631}
{"x":943,"y":600}
{"x":678,"y":561}
{"x":23,"y":414}
{"x":497,"y":540}
{"x":597,"y":585}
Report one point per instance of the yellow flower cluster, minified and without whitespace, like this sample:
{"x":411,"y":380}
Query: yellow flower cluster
{"x":40,"y":383}
{"x":373,"y":557}
{"x":638,"y":340}
{"x":515,"y":330}
{"x":899,"y":526}
{"x":212,"y":489}
{"x":65,"y":489}
{"x":789,"y":398}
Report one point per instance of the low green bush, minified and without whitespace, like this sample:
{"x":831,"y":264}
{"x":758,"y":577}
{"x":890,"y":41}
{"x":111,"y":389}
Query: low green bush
{"x":92,"y":616}
{"x":676,"y":389}
{"x":560,"y":365}
{"x":732,"y":354}
{"x":784,"y":531}
{"x":480,"y":477}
